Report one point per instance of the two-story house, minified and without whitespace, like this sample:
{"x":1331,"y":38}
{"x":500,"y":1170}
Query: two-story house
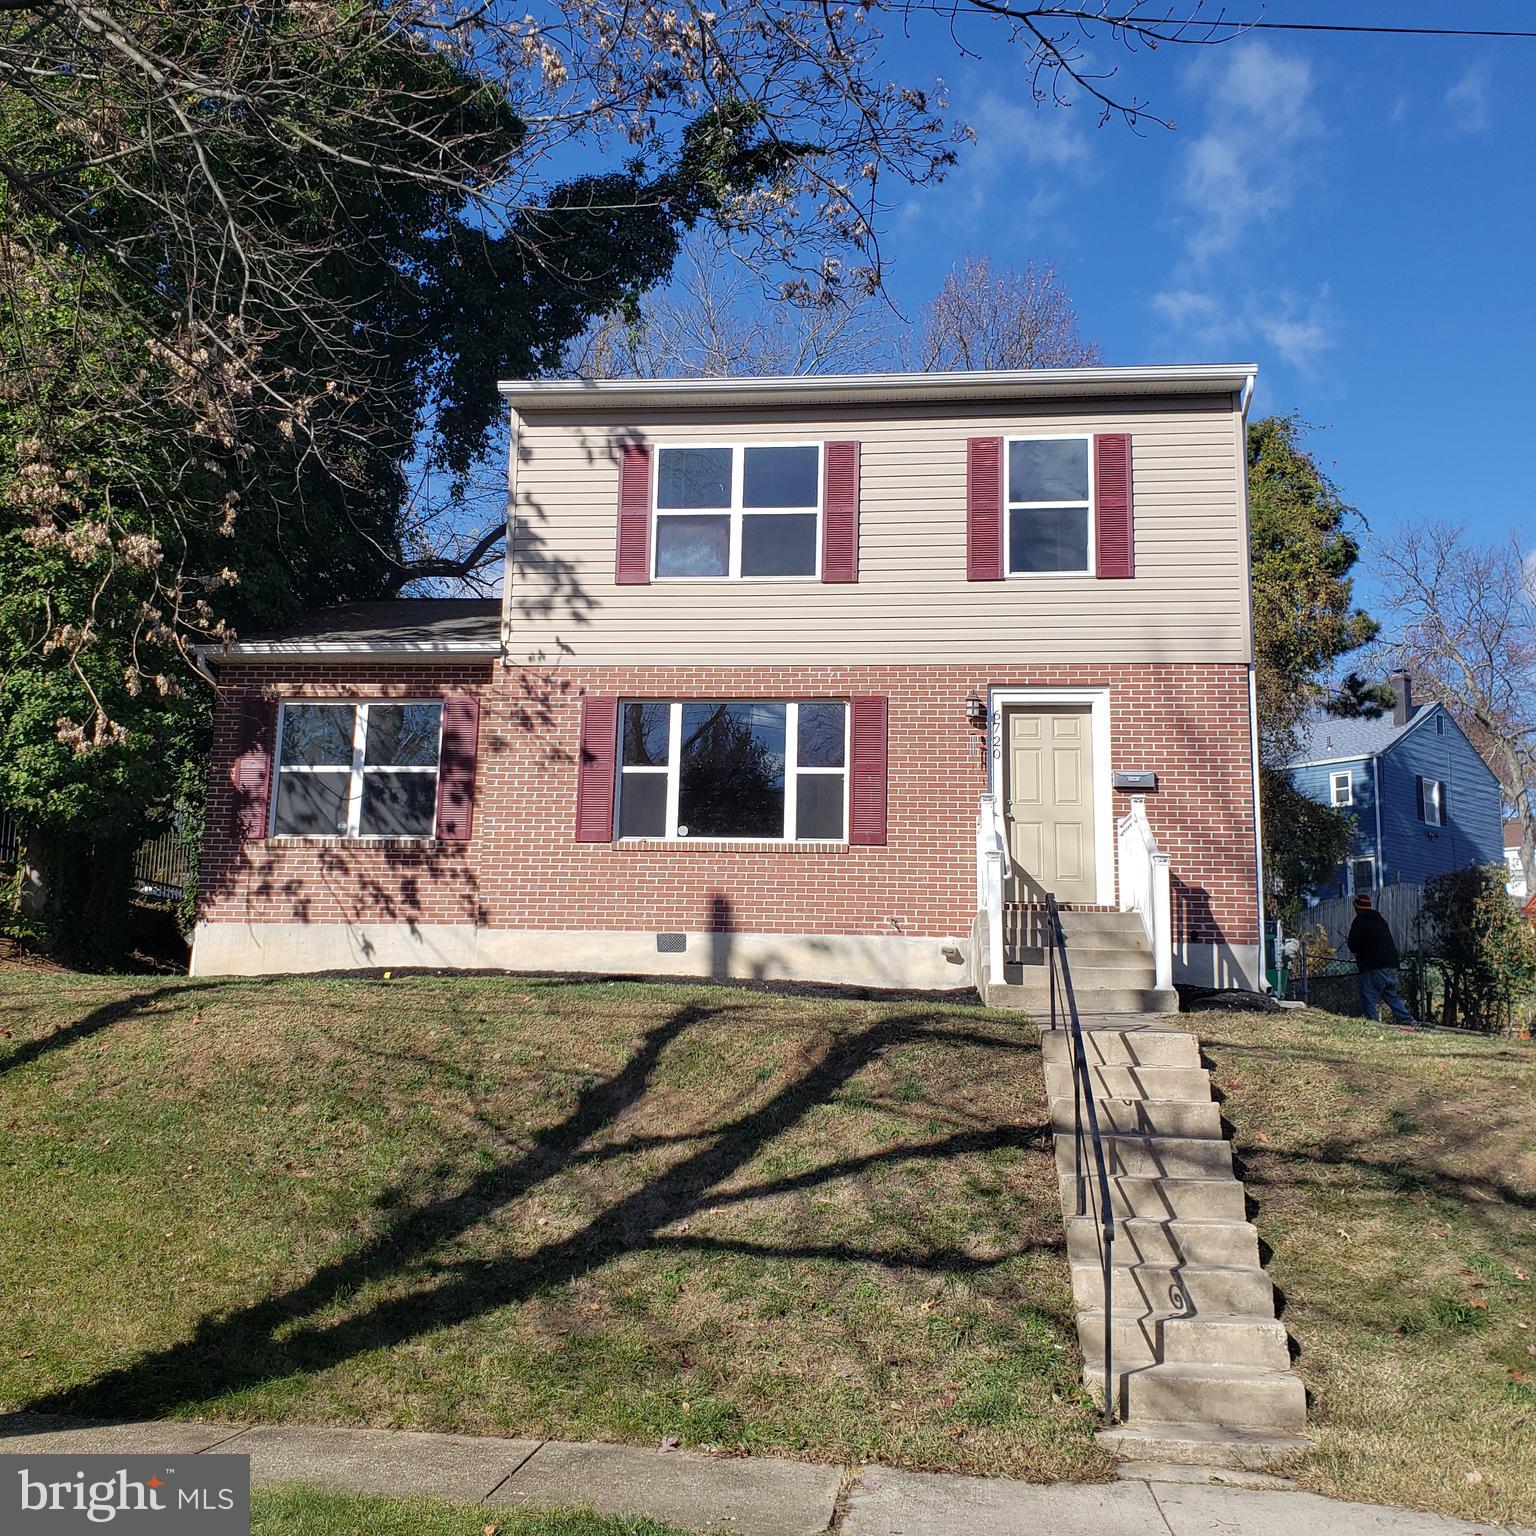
{"x":817,"y":678}
{"x":1420,"y":799}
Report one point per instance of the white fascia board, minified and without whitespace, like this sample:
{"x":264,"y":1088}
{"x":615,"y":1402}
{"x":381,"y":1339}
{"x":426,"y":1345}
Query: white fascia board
{"x":417,"y":650}
{"x":878,"y":388}
{"x":1328,"y":762}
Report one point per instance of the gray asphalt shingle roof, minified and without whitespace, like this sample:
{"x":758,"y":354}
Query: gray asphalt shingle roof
{"x":1329,"y":737}
{"x":404,"y":624}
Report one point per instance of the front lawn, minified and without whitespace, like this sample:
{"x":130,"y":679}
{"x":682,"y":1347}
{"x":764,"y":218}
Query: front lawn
{"x":823,"y":1228}
{"x":296,"y":1510}
{"x":1395,"y":1180}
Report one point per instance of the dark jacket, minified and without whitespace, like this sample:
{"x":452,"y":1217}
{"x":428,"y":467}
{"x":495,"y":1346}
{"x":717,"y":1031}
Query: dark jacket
{"x":1370,"y":941}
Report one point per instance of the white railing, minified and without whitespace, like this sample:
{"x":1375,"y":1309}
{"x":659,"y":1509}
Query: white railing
{"x":991,"y":871}
{"x":1144,"y":886}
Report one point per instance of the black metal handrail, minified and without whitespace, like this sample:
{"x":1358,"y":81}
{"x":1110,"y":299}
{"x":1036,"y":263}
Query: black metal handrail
{"x":1082,"y":1096}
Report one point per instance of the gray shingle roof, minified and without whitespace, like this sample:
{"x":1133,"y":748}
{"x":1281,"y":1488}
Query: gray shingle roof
{"x":406,"y":625}
{"x":1328,"y":737}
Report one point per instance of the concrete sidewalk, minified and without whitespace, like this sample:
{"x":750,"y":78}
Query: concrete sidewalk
{"x":744,"y":1496}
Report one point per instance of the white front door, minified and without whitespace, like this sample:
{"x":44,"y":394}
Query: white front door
{"x":1048,"y":802}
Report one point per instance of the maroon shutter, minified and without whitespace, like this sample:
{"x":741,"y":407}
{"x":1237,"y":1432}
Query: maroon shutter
{"x":984,"y":509}
{"x":595,"y":770}
{"x":456,"y":768}
{"x":868,"y":757}
{"x":1114,"y":524}
{"x":250,"y":774}
{"x":840,"y":513}
{"x":634,"y":553}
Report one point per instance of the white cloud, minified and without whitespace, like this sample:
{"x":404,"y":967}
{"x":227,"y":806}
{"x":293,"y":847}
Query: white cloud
{"x":1469,"y":100}
{"x":1299,"y":337}
{"x":1208,"y":325}
{"x":1202,"y":322}
{"x":1025,"y":163}
{"x":1245,"y":167}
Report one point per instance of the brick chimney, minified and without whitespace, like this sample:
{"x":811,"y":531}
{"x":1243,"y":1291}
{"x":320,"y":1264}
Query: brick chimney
{"x":1402,"y":686}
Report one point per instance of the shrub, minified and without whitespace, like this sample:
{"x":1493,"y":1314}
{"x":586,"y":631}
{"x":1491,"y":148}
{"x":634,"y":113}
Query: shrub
{"x":1483,"y":944}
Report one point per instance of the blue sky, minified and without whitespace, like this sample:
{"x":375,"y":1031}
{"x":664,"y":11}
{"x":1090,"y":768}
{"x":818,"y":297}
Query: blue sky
{"x":1354,"y":214}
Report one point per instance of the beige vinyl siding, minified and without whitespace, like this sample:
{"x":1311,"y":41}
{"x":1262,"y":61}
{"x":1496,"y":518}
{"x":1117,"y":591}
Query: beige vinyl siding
{"x":912,"y":602}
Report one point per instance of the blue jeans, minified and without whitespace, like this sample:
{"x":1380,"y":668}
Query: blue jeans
{"x":1378,"y":987}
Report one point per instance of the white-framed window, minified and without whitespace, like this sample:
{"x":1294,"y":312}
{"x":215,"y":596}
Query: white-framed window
{"x":737,"y":512}
{"x":1362,"y":874}
{"x":1342,"y":787}
{"x":1049,"y":522}
{"x":1432,"y":802}
{"x":357,"y":770}
{"x":758,"y":769}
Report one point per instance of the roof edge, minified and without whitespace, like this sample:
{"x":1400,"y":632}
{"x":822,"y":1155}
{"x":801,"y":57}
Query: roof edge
{"x":400,"y":649}
{"x":853,"y":388}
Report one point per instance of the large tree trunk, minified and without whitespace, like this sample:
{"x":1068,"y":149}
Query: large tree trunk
{"x":80,"y":890}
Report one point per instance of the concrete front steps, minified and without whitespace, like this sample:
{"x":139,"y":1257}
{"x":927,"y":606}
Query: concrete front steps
{"x":1201,"y":1364}
{"x":1112,"y":966}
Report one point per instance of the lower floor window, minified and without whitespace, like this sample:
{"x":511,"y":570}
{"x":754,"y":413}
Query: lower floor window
{"x":357,"y":770}
{"x":1362,"y":874}
{"x":733,"y":769}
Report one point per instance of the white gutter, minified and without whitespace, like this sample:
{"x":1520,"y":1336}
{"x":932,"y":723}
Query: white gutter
{"x":1258,"y":821}
{"x":872,"y":388}
{"x":1328,"y":762}
{"x":1381,"y":853}
{"x":402,"y":650}
{"x":514,"y":440}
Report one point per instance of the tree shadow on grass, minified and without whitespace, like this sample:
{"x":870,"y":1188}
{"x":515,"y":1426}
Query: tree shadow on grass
{"x":288,"y":1334}
{"x":93,"y":1023}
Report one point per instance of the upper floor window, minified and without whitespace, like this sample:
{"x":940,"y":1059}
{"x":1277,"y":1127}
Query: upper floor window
{"x":737,"y":512}
{"x":1432,"y":802}
{"x":357,"y":770}
{"x":1050,"y":494}
{"x":733,"y":769}
{"x":1343,"y":787}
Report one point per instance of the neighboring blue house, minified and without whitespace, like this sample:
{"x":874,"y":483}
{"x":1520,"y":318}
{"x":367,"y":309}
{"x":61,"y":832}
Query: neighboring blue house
{"x":1422,"y":799}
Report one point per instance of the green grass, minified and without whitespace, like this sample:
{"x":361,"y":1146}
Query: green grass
{"x":1395,"y":1177}
{"x":296,"y":1510}
{"x":800,"y":1226}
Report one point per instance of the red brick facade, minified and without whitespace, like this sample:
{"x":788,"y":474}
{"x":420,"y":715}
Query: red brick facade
{"x":523,"y":868}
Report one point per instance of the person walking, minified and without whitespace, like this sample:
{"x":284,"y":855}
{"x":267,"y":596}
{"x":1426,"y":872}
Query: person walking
{"x":1371,"y":943}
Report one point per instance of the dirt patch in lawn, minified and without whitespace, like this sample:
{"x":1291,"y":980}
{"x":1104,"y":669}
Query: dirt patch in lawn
{"x":759,"y":1223}
{"x":1395,"y":1181}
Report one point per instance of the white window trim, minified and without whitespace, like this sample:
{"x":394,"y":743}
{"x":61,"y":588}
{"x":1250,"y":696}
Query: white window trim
{"x":1438,"y":785}
{"x":1104,"y":819}
{"x":1344,"y":779}
{"x":1350,"y":863}
{"x":792,"y":772}
{"x":735,"y":512}
{"x":356,"y":769}
{"x":1009,"y":505}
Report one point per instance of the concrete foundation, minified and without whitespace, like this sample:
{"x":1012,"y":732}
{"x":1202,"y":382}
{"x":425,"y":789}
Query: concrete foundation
{"x":257,"y":949}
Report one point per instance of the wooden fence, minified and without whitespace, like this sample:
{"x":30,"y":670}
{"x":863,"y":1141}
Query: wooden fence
{"x":1399,"y":904}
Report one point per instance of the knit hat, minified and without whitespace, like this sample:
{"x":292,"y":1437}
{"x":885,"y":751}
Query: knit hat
{"x":1362,"y":902}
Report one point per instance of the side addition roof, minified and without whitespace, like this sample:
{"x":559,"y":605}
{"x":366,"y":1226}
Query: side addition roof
{"x":858,"y":389}
{"x":1331,"y":740}
{"x":405,"y":627}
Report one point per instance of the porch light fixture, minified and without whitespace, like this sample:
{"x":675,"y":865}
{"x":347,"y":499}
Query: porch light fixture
{"x":975,"y":710}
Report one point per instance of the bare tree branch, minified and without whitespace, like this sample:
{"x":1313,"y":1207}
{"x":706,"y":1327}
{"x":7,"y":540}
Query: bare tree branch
{"x":1462,"y":621}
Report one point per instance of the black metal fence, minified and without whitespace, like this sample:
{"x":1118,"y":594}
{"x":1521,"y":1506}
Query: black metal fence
{"x":162,"y":867}
{"x":1333,"y":984}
